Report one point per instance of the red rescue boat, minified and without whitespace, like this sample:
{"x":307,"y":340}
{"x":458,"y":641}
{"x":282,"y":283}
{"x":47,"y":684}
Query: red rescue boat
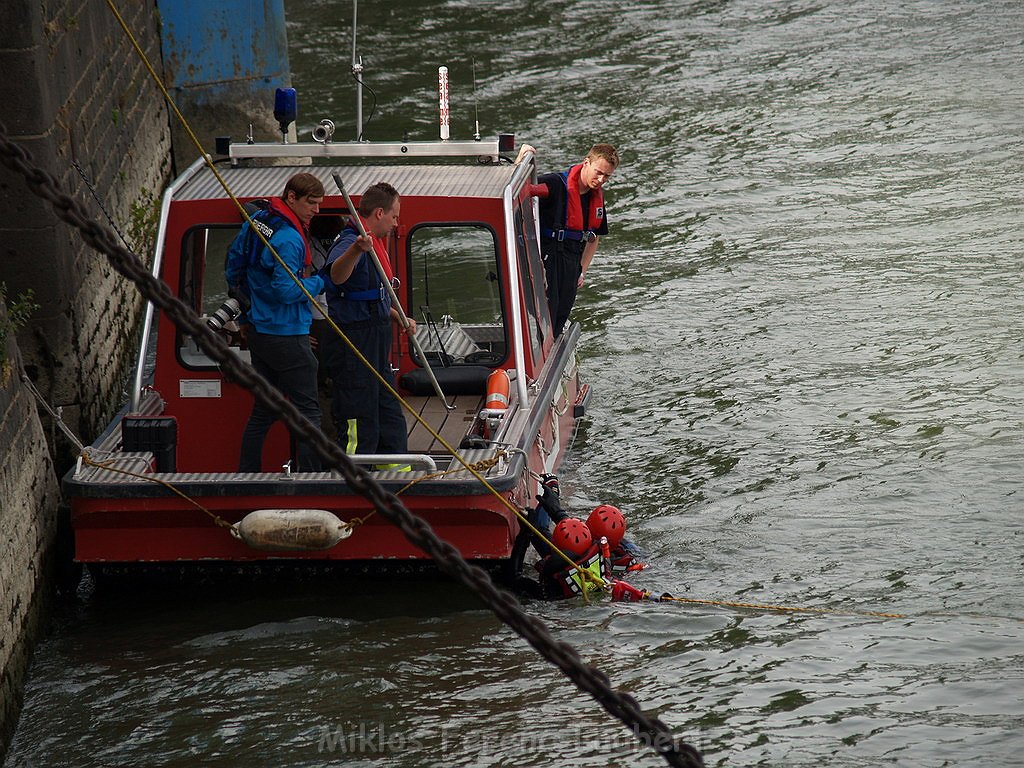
{"x":467,"y":256}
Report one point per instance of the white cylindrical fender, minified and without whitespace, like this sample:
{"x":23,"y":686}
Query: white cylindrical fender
{"x":289,"y":530}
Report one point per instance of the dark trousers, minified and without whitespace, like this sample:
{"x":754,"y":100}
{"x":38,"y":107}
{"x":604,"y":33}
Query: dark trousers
{"x":562,"y":269}
{"x":367,"y":417}
{"x":288,"y":363}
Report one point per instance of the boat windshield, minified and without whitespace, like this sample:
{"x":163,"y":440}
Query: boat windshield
{"x":456,"y":295}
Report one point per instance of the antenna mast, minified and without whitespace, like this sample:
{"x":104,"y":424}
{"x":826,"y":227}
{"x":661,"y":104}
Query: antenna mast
{"x":357,"y":73}
{"x":476,"y":106}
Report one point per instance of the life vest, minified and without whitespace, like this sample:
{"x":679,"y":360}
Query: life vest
{"x":352,"y":301}
{"x":572,"y":213}
{"x":622,"y":562}
{"x":572,"y":582}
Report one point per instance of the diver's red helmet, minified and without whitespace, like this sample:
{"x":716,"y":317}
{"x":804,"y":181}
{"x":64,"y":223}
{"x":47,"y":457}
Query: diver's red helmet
{"x":572,"y":537}
{"x":607,"y":520}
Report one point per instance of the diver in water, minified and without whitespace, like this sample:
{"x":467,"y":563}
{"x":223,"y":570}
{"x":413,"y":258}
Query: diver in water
{"x":597,"y":546}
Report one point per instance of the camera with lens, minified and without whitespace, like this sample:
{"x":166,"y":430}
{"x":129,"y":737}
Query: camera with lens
{"x":227,"y":312}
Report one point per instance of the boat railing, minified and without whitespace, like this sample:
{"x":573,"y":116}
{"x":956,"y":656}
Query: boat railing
{"x":395,"y":459}
{"x":147,"y":323}
{"x":524,"y":171}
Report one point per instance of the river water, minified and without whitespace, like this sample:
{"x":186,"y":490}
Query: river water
{"x":805,"y":338}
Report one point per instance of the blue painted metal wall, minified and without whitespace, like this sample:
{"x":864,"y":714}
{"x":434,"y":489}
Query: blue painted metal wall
{"x":213,"y":48}
{"x":223,"y":60}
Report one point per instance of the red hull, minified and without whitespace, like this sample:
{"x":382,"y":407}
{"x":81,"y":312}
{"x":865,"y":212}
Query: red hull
{"x":160,"y":531}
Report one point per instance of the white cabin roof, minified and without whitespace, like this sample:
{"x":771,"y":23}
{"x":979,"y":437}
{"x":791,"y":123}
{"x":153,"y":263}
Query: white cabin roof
{"x":411,"y":180}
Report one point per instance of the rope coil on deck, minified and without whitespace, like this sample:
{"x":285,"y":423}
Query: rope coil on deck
{"x":647,"y":729}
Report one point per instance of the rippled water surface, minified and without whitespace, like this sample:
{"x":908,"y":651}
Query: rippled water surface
{"x":805,"y":337}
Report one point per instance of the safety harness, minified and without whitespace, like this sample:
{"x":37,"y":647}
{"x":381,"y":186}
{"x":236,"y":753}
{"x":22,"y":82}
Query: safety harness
{"x":572,"y":214}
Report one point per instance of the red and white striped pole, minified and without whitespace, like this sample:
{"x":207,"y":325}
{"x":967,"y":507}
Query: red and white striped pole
{"x":442,"y":101}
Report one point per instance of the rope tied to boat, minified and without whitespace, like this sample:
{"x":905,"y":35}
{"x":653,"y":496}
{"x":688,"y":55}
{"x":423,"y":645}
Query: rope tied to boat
{"x":619,"y":590}
{"x":480,"y":466}
{"x":109,"y":467}
{"x":667,"y":598}
{"x":647,"y":729}
{"x":623,"y":592}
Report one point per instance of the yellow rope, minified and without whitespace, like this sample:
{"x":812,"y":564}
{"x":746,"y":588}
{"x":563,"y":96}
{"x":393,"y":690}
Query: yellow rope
{"x":783,"y":608}
{"x":486,"y":464}
{"x":482,"y":465}
{"x":181,"y":118}
{"x":352,"y":524}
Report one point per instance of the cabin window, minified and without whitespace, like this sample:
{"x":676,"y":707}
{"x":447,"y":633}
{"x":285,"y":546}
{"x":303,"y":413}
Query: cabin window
{"x":456,"y":295}
{"x":202,"y":286}
{"x":204,"y":251}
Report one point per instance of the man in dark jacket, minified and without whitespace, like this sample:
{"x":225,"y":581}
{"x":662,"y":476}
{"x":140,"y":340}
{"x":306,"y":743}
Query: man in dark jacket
{"x":367,"y":417}
{"x":572,"y":221}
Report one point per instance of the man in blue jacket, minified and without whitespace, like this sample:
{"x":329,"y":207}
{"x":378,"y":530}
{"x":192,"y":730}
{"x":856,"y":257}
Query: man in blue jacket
{"x":279,"y":313}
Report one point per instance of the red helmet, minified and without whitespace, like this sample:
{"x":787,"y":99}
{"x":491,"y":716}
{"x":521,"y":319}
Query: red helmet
{"x":607,"y":521}
{"x":572,"y":536}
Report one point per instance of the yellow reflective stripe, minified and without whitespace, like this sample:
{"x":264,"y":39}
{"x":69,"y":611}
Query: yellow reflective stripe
{"x":353,"y":437}
{"x":594,"y":568}
{"x":395,"y":467}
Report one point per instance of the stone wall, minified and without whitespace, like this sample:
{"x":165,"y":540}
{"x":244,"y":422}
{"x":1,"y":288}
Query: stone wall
{"x":29,"y":500}
{"x":73,"y":91}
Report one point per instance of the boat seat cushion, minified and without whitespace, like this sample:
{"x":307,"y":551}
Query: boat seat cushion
{"x":454,"y":380}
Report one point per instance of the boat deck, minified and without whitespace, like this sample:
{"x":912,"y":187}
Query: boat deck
{"x":452,"y":426}
{"x":113,"y":467}
{"x":426,"y":180}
